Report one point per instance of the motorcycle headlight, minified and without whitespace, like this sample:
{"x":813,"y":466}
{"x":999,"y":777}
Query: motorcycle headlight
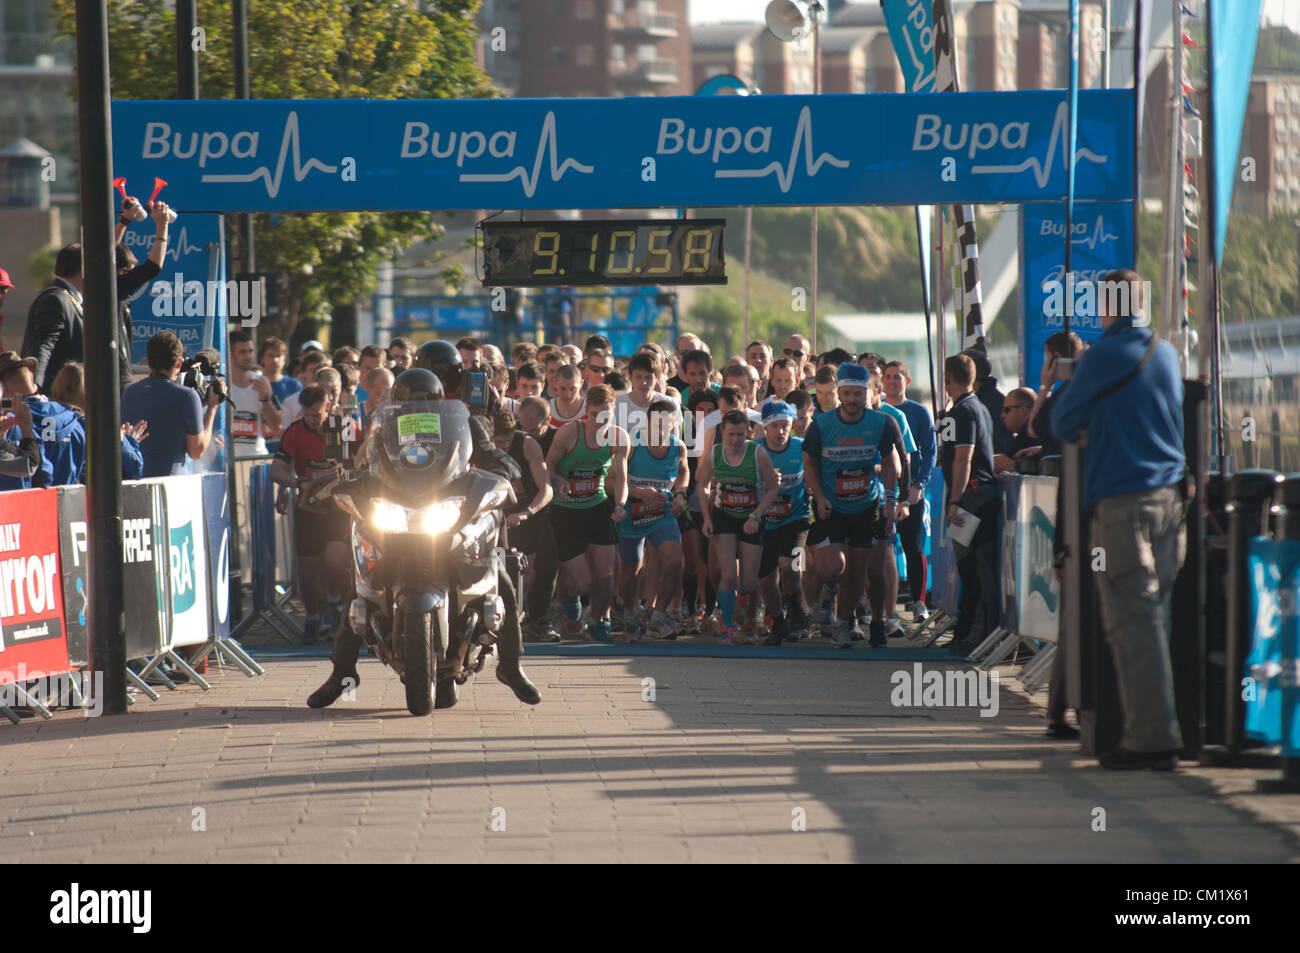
{"x":390,"y":517}
{"x":441,"y":516}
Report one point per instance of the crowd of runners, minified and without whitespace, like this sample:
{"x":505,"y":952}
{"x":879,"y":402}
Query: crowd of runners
{"x":769,"y":497}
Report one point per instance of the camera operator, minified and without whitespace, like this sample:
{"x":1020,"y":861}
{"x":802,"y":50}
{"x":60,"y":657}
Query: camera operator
{"x":180,"y":422}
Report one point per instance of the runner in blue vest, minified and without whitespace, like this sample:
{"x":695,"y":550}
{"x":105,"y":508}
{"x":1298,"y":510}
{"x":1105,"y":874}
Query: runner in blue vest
{"x":657,"y":477}
{"x":785,"y":532}
{"x":840,"y":451}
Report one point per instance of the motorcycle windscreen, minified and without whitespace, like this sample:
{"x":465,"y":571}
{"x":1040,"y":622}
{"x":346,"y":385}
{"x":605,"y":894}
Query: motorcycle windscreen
{"x":427,"y":443}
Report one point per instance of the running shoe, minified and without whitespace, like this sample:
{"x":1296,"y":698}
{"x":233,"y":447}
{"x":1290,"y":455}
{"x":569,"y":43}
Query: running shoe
{"x":726,"y":635}
{"x":662,"y":626}
{"x":878,"y":639}
{"x":919,"y":612}
{"x":893,"y":627}
{"x":780,"y":631}
{"x":863,"y":614}
{"x":842,"y":633}
{"x":599,"y":632}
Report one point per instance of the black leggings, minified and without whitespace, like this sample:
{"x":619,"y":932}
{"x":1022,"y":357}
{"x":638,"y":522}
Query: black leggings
{"x":911,"y":533}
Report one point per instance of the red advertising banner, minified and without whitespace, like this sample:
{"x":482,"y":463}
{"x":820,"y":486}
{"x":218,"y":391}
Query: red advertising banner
{"x":32,"y":640}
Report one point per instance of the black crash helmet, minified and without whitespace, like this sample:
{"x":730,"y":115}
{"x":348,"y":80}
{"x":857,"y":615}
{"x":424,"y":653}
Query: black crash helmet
{"x":417,"y":384}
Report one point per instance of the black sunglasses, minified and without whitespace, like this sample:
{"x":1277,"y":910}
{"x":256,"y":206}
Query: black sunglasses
{"x":789,"y":353}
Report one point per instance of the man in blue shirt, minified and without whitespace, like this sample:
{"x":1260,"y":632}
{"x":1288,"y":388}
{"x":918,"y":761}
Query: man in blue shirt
{"x":913,"y":530}
{"x":180,"y":425}
{"x":1127,"y":396}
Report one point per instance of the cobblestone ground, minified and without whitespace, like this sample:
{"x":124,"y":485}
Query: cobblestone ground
{"x":726,"y":762}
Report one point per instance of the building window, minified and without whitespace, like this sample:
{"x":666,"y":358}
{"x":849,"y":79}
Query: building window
{"x":646,"y":53}
{"x":557,"y":54}
{"x":617,"y":54}
{"x":584,"y":9}
{"x":617,"y":8}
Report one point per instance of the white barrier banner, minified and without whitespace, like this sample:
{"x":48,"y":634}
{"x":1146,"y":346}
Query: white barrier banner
{"x":1039,"y":594}
{"x":191,"y":619}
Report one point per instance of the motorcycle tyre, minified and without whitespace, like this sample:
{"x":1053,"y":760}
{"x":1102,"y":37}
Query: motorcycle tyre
{"x":417,"y":648}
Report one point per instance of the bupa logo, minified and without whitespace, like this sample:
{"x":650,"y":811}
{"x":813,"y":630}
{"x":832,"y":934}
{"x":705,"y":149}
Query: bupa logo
{"x":675,"y":136}
{"x":418,"y":142}
{"x":184,"y":569}
{"x":161,"y":143}
{"x":1089,"y":236}
{"x":933,"y":133}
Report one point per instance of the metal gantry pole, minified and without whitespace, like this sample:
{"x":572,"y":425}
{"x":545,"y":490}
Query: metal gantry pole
{"x":107,"y":629}
{"x":239,"y":17}
{"x":814,"y":15}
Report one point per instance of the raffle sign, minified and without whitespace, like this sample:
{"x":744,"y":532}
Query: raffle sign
{"x":32,"y":639}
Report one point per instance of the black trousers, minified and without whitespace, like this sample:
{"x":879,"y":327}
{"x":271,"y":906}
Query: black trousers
{"x":981,"y":594}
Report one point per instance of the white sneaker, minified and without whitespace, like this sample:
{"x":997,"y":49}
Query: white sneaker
{"x":661,"y":626}
{"x":919,"y":612}
{"x":893,"y":627}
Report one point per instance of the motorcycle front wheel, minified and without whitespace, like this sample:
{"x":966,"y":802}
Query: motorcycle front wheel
{"x":417,"y":666}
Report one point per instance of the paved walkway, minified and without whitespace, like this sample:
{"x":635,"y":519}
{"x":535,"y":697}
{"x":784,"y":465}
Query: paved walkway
{"x":729,"y":757}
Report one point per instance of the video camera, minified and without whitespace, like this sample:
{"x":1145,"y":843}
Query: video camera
{"x":475,"y":390}
{"x":336,"y":429}
{"x":202,"y":373}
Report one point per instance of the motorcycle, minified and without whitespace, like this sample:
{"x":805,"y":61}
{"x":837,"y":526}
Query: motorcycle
{"x":435,"y":578}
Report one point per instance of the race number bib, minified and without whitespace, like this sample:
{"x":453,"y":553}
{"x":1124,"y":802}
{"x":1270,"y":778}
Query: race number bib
{"x":780,"y":510}
{"x":243,"y":426}
{"x":583,"y":484}
{"x":643,"y":514}
{"x":738,"y":496}
{"x":852,"y":486}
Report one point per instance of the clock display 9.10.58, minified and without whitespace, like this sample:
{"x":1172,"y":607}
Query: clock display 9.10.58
{"x":629,"y":252}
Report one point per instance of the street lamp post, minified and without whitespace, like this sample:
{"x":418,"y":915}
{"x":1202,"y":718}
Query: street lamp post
{"x":790,"y":21}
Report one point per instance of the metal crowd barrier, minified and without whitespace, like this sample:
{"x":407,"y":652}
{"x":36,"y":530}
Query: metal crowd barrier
{"x":267,"y":556}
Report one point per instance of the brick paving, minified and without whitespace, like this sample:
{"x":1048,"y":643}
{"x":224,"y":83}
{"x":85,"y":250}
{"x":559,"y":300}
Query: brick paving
{"x":720,"y":766}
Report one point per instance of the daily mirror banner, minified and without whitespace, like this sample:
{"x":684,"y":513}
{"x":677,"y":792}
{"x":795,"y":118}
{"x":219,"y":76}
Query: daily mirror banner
{"x":651,"y":152}
{"x":32,"y":638}
{"x":1103,"y":239}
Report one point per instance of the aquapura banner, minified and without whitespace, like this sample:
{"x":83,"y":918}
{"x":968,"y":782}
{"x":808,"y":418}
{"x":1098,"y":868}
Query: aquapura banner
{"x":653,"y":152}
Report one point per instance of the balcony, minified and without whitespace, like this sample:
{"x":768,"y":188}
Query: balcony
{"x":660,"y":25}
{"x":649,"y":71}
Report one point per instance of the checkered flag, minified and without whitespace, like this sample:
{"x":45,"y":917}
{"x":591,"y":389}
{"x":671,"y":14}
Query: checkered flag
{"x":945,"y":81}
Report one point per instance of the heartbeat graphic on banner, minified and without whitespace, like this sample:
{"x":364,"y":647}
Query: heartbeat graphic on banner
{"x":1043,"y":170}
{"x":289,"y":140}
{"x":547,"y":144}
{"x":785,"y":176}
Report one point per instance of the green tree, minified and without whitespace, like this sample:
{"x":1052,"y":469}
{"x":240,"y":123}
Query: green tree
{"x":313,"y":49}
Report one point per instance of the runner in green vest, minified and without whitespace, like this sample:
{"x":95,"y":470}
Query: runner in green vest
{"x":588,"y":466}
{"x":743,"y":472}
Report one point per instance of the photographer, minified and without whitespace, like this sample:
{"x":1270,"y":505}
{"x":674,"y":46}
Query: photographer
{"x":20,"y":451}
{"x":180,"y":422}
{"x":59,"y":428}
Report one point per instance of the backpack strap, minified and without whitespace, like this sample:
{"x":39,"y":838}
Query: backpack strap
{"x":1137,"y":369}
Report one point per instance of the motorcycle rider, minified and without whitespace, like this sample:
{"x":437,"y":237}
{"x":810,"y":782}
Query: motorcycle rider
{"x":423,"y":383}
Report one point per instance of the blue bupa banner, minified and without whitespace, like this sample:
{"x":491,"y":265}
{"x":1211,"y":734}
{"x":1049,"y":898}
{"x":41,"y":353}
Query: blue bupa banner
{"x":1103,"y":239}
{"x":1234,"y":30}
{"x":1271,"y":688}
{"x":912,"y":34}
{"x":178,"y":299}
{"x":652,"y":152}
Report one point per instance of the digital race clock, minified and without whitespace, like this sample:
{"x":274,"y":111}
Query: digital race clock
{"x":628,"y":252}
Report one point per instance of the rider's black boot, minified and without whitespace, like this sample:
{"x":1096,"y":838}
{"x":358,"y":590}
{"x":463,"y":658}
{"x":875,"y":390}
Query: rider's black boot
{"x":344,"y":677}
{"x":509,"y":672}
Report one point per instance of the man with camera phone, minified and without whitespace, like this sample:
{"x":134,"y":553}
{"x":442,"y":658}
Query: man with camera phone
{"x":180,"y":420}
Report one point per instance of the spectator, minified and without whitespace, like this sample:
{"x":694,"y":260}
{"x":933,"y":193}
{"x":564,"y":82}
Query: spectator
{"x":54,"y":321}
{"x":834,"y":358}
{"x":966,"y":458}
{"x":372,"y":356}
{"x":20,"y":459}
{"x":132,"y":278}
{"x":1127,"y":396}
{"x":697,"y":366}
{"x":686,"y":343}
{"x":597,"y":341}
{"x":492,"y":355}
{"x":758,"y":355}
{"x":69,"y":389}
{"x":180,"y":425}
{"x":346,"y":355}
{"x":401,"y":351}
{"x":5,"y":286}
{"x":571,"y":353}
{"x":554,"y":360}
{"x":986,"y":389}
{"x":61,"y":430}
{"x":1016,"y":410}
{"x":1059,"y":345}
{"x":254,"y":408}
